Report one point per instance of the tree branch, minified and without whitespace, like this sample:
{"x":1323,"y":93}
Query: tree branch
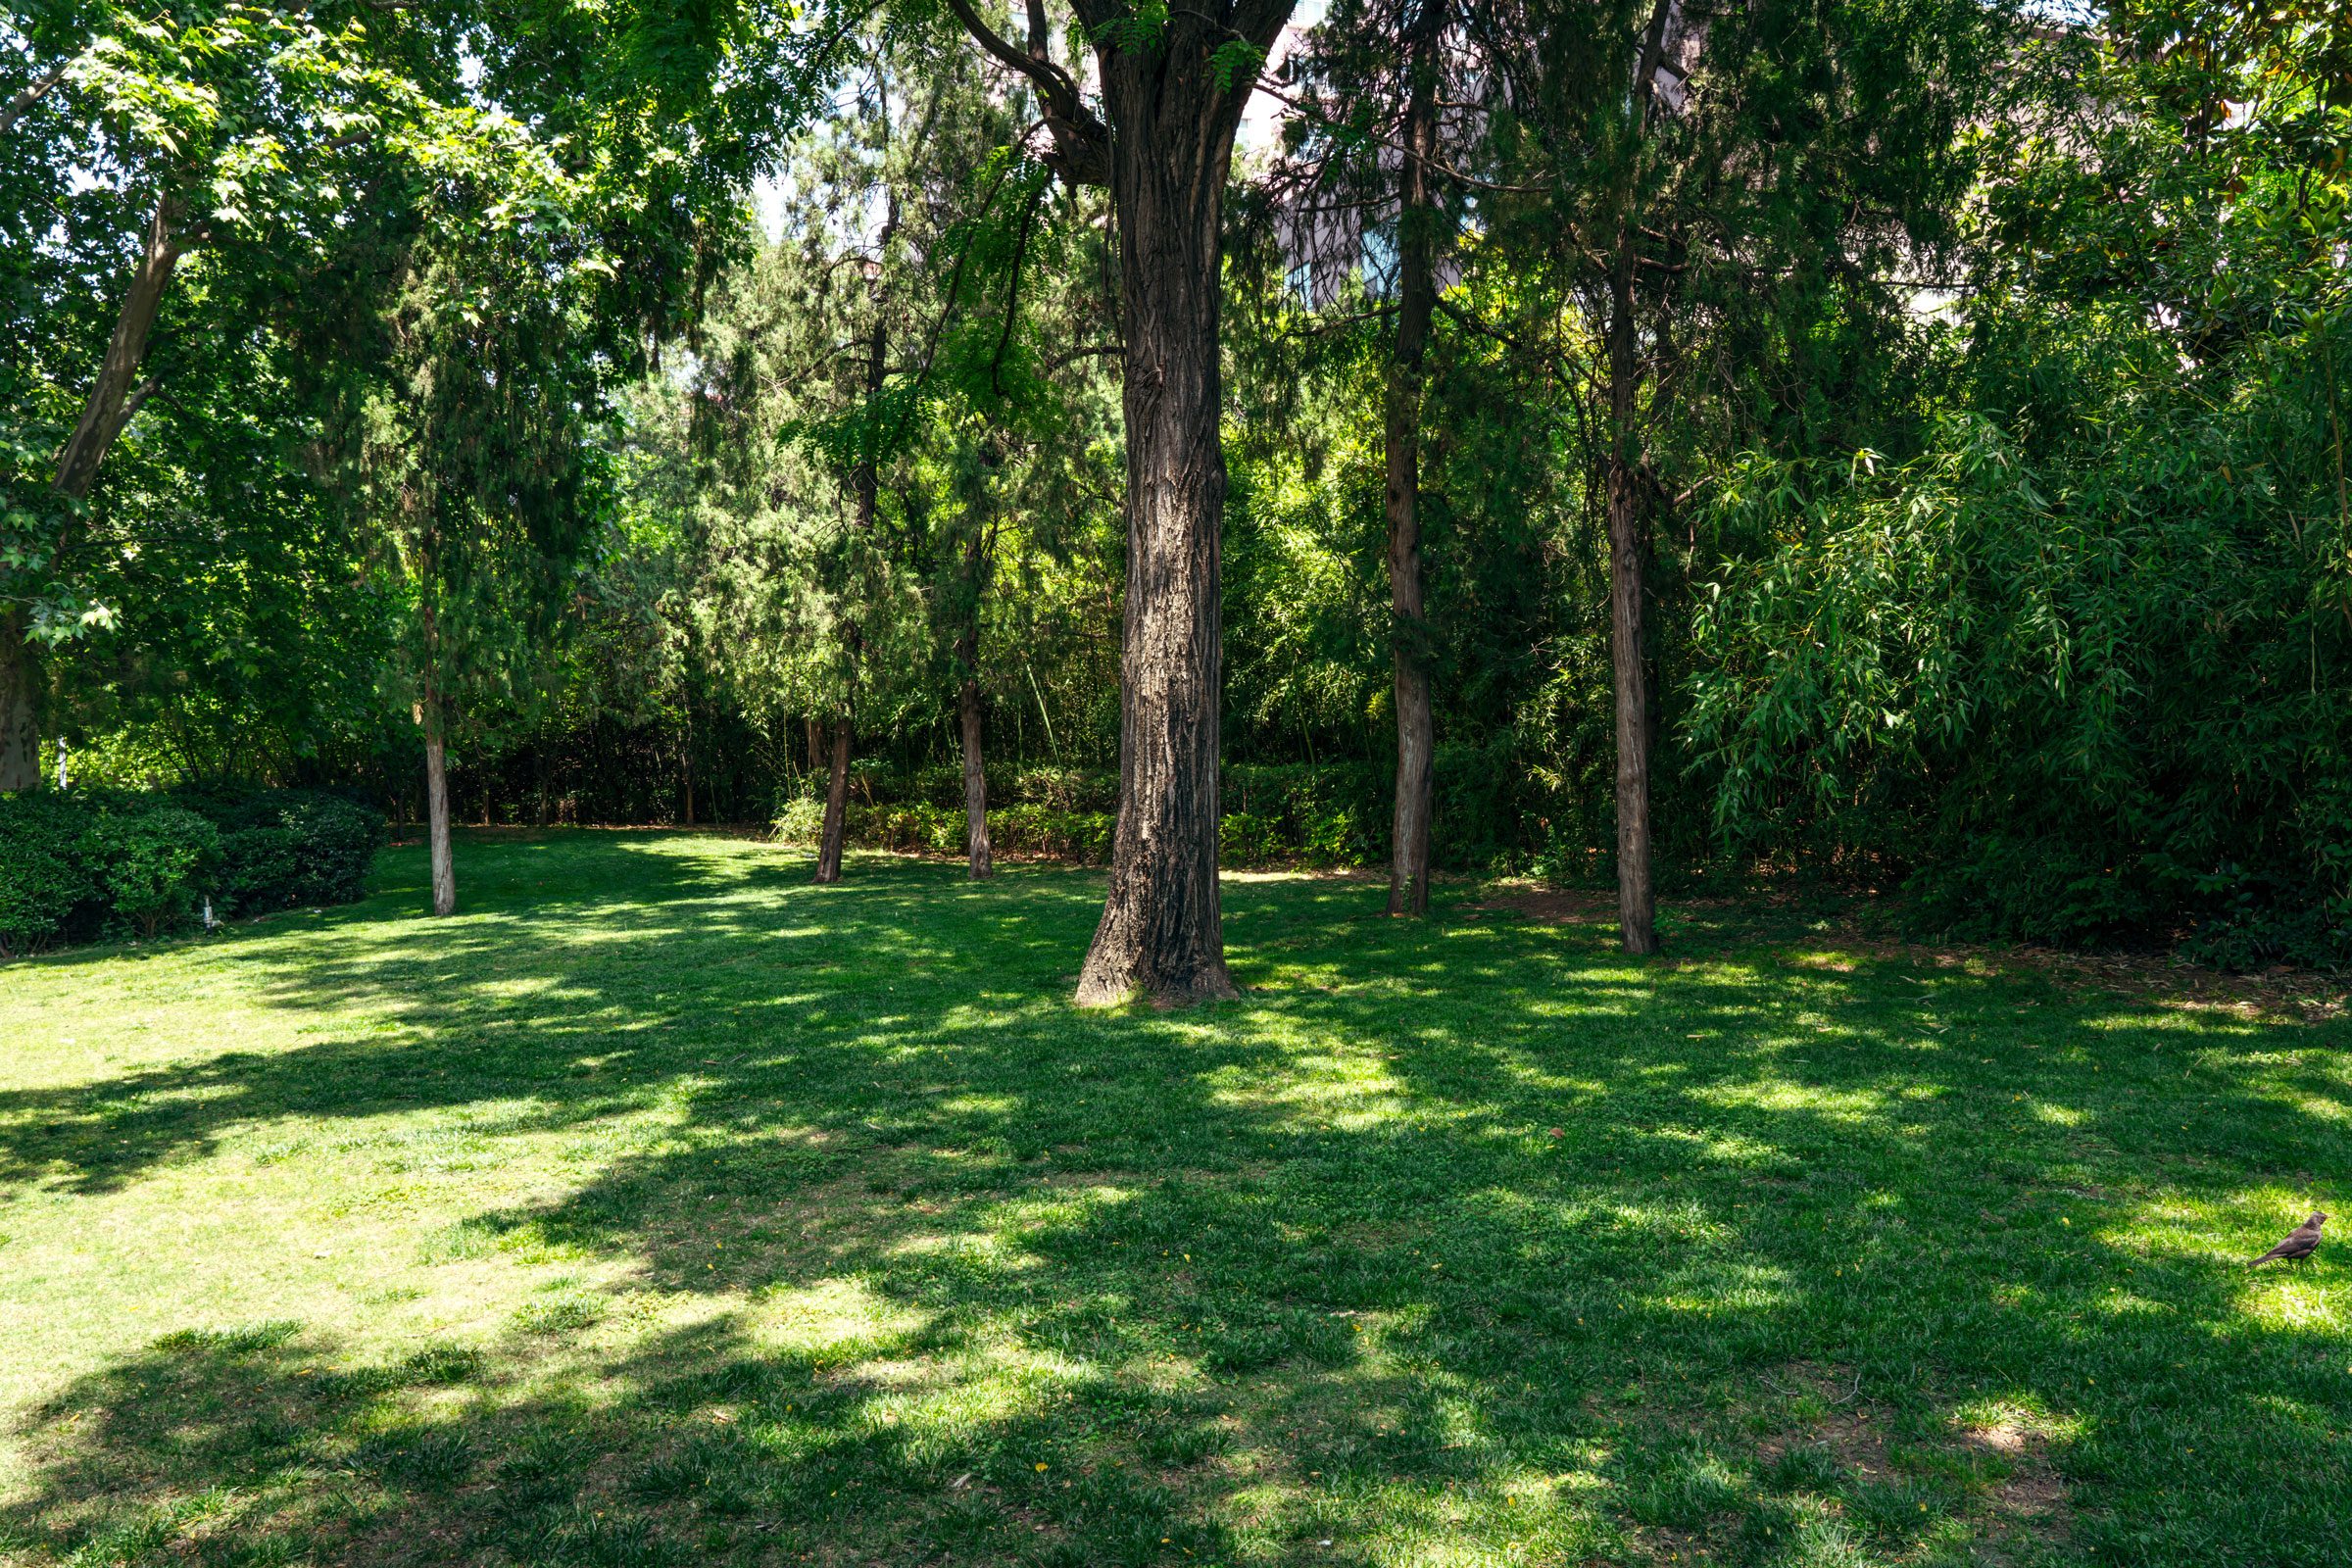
{"x":32,"y":93}
{"x":1081,"y":141}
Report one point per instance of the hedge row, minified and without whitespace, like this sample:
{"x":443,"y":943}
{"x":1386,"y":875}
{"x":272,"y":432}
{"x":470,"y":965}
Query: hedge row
{"x":1336,"y":837}
{"x":77,"y":864}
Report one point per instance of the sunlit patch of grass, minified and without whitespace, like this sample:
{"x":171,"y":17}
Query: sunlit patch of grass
{"x":664,"y":1208}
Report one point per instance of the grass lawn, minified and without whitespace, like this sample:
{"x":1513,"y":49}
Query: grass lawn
{"x":666,"y":1209}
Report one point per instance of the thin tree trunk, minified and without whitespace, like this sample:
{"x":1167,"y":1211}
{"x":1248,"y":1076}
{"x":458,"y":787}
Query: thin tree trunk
{"x":1637,"y":909}
{"x":432,"y":714}
{"x":1161,"y":934}
{"x":113,"y":400}
{"x":975,"y":774}
{"x":20,"y":720}
{"x":837,"y":806}
{"x":816,"y":743}
{"x":866,"y":484}
{"x":1408,"y":865}
{"x":978,"y":545}
{"x":436,"y":807}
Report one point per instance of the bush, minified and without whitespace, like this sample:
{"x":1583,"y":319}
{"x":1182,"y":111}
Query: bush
{"x":800,"y":822}
{"x":334,"y":847}
{"x":1244,"y":839}
{"x":150,"y":863}
{"x":77,"y":863}
{"x":44,"y":885}
{"x":258,"y":864}
{"x":282,"y":848}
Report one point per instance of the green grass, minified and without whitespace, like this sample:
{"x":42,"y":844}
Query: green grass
{"x":664,"y":1208}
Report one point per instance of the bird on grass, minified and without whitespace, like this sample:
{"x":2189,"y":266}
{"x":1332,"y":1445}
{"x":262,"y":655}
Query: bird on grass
{"x":2301,"y":1242}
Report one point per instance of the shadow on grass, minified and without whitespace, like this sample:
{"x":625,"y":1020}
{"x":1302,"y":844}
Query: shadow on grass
{"x":1858,"y":1263}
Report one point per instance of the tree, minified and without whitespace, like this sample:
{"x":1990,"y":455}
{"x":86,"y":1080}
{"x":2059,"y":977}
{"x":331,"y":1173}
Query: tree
{"x":1728,"y":203}
{"x":1173,"y":84}
{"x":544,"y":265}
{"x":133,"y":143}
{"x":1367,"y":142}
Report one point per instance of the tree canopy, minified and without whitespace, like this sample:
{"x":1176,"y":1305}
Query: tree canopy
{"x":1649,"y":444}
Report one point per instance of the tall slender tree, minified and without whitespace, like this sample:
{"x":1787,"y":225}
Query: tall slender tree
{"x":1364,"y":162}
{"x":1712,"y":206}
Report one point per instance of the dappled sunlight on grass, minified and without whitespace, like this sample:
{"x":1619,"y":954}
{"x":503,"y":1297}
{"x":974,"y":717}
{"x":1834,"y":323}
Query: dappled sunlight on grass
{"x":662,"y":1207}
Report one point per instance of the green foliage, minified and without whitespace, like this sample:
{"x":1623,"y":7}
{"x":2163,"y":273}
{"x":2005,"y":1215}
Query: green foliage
{"x":150,"y":863}
{"x":43,"y":883}
{"x":282,"y":848}
{"x":259,"y":866}
{"x":79,"y":863}
{"x":800,"y":822}
{"x":2079,"y":667}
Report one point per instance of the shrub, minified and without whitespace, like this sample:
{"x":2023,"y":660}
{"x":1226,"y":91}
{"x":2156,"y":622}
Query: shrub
{"x":258,"y":866}
{"x":74,"y":864}
{"x":800,"y":822}
{"x":334,"y":847}
{"x":150,"y":863}
{"x":1244,"y":839}
{"x":43,"y":882}
{"x":1044,"y":830}
{"x":287,"y":847}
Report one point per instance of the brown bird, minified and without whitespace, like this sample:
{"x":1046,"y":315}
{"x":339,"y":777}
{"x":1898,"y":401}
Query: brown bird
{"x":2301,"y":1242}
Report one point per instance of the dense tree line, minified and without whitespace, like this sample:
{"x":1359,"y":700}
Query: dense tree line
{"x":1619,"y":440}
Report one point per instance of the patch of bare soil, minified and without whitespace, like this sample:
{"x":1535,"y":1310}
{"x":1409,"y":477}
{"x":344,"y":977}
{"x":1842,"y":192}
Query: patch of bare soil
{"x":1552,"y":905}
{"x":2026,"y":1494}
{"x":1852,"y":1430}
{"x":2022,"y":1494}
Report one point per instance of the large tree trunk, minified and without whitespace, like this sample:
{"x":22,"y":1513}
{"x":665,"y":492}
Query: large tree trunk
{"x":837,"y":806}
{"x":1408,"y":864}
{"x":1161,"y":934}
{"x":1173,"y":105}
{"x":975,"y":774}
{"x":20,"y":740}
{"x":114,"y":398}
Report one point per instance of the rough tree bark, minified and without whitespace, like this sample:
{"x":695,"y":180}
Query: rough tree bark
{"x":1164,"y":146}
{"x":1161,"y":932}
{"x":1636,"y":908}
{"x":837,"y":806}
{"x":19,"y":743}
{"x":1416,"y":296}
